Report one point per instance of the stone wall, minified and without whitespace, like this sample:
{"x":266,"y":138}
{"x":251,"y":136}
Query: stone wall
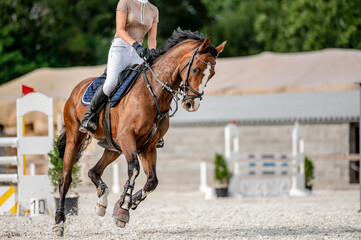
{"x":325,"y":144}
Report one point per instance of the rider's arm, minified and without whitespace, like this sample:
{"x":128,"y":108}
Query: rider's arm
{"x":152,"y":36}
{"x":121,"y":19}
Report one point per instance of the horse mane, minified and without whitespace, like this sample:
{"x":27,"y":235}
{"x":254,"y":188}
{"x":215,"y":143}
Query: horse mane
{"x":179,"y":36}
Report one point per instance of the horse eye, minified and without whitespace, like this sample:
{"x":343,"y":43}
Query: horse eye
{"x":195,"y":70}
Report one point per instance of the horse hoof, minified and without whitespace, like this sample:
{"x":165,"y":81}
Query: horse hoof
{"x":59,"y":233}
{"x":120,"y":215}
{"x":119,"y":223}
{"x":100,"y":209}
{"x":58,"y":229}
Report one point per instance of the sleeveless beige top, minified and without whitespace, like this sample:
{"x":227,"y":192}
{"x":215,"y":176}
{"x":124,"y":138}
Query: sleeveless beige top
{"x":140,"y":17}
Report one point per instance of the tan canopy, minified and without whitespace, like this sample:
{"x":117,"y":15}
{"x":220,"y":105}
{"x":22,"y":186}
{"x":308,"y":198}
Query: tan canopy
{"x":326,"y":70}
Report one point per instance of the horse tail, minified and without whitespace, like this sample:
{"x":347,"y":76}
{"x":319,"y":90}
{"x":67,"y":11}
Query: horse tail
{"x":61,"y":144}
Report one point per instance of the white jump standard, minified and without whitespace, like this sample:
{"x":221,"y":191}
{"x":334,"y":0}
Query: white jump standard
{"x":259,"y":174}
{"x":28,"y":186}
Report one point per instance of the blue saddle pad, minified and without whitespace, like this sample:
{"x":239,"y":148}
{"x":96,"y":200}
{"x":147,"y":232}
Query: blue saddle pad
{"x":89,"y":92}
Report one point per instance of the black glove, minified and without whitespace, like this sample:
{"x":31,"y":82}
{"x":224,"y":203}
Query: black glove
{"x":139,"y":49}
{"x":152,"y":51}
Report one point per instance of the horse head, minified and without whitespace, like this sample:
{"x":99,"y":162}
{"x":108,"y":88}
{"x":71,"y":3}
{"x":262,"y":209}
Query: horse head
{"x":198,"y":68}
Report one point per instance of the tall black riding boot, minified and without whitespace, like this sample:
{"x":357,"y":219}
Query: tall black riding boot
{"x":90,"y":119}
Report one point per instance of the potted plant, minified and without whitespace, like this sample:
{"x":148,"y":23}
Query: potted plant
{"x":221,"y":175}
{"x":55,"y":171}
{"x":308,"y":173}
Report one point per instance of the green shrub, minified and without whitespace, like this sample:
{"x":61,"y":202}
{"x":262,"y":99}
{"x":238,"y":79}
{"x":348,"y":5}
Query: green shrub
{"x":221,"y":173}
{"x":308,"y":172}
{"x":56,"y":169}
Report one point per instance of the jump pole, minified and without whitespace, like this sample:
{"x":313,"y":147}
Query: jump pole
{"x":359,"y":83}
{"x":24,"y":161}
{"x":115,"y":186}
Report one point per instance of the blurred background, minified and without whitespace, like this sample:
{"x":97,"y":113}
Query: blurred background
{"x":286,"y":61}
{"x":64,"y":33}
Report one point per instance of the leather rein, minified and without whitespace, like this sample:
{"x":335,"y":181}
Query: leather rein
{"x":182,"y":90}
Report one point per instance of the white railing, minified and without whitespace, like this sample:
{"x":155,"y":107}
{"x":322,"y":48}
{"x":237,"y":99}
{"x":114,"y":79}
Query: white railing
{"x":9,"y":178}
{"x":13,"y":160}
{"x":8,"y":160}
{"x":260,"y":174}
{"x":9,"y":142}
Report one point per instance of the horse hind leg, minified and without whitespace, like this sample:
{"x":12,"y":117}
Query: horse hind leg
{"x":95,"y":174}
{"x":75,"y":144}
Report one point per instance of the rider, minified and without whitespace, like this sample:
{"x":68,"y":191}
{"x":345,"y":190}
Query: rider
{"x":134,"y":19}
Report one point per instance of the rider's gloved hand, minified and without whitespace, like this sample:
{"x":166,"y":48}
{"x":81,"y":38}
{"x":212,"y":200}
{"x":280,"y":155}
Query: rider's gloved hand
{"x":152,"y":51}
{"x":139,"y":49}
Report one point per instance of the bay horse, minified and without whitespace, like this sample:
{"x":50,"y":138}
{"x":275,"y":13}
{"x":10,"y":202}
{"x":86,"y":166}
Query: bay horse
{"x":183,"y":66}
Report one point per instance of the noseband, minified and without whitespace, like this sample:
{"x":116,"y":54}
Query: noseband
{"x":185,"y":87}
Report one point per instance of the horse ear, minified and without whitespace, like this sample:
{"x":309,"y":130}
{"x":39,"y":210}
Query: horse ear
{"x":205,"y":44}
{"x":221,"y":47}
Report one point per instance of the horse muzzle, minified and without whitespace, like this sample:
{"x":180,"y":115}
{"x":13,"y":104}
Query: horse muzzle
{"x":190,"y":105}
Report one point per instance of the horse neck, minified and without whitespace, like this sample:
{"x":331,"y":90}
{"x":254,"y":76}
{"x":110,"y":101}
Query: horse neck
{"x":167,"y":70}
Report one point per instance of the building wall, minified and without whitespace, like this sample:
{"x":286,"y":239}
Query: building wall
{"x":322,"y":141}
{"x":326,"y":144}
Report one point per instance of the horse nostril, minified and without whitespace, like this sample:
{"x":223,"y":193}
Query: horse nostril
{"x":188,"y":105}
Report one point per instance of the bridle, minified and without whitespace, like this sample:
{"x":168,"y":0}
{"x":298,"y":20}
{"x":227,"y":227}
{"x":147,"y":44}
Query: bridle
{"x":183,"y":90}
{"x":185,"y":86}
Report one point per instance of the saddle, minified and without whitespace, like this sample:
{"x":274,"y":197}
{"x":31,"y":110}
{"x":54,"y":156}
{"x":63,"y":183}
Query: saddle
{"x":126,"y":80}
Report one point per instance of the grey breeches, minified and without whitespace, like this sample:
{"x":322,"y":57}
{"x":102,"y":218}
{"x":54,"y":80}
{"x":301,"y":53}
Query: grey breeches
{"x":120,"y":56}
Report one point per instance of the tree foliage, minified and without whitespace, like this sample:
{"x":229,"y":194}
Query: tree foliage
{"x":305,"y":25}
{"x":187,"y":14}
{"x":252,"y":26}
{"x":233,"y":20}
{"x":62,"y":33}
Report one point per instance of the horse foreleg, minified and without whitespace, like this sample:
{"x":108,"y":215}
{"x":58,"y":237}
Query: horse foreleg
{"x":122,"y":206}
{"x":73,"y":142}
{"x":148,"y":158}
{"x":95,"y":174}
